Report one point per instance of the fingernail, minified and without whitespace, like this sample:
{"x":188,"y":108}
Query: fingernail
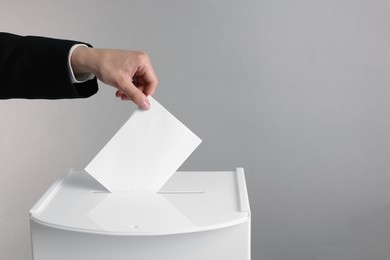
{"x":145,"y":105}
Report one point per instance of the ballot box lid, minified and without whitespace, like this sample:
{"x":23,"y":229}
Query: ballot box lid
{"x":188,"y":202}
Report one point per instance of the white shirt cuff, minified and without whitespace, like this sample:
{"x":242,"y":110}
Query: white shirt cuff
{"x":80,"y":77}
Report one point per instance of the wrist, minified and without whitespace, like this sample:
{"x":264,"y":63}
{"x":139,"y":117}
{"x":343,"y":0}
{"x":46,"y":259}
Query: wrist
{"x":83,"y":60}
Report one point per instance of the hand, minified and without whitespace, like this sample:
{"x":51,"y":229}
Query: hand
{"x":131,"y":72}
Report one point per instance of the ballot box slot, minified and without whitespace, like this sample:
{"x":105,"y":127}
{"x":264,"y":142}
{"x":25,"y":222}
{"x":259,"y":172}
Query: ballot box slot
{"x":181,"y":192}
{"x":159,"y":192}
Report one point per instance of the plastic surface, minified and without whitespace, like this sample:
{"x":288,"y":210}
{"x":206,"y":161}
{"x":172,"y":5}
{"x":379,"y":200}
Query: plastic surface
{"x":189,"y":202}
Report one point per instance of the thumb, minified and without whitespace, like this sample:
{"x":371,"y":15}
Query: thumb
{"x":136,"y":95}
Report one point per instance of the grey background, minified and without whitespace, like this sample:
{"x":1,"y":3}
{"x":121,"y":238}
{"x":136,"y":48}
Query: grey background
{"x":296,"y":92}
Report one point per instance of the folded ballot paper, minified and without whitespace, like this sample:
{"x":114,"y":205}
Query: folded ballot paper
{"x":145,"y":152}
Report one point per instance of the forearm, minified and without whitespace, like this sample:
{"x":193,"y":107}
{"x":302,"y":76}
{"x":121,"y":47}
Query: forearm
{"x":36,"y":67}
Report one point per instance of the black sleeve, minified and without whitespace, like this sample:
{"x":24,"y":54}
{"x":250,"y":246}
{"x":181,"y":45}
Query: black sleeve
{"x":37,"y":67}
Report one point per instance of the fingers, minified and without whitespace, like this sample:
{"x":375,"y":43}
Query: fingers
{"x":151,"y":81}
{"x":143,"y":83}
{"x":121,"y":95}
{"x":145,"y":77}
{"x":131,"y":92}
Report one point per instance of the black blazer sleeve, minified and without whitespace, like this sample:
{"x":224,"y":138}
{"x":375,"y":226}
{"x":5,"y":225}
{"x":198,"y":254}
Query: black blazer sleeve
{"x":37,"y":67}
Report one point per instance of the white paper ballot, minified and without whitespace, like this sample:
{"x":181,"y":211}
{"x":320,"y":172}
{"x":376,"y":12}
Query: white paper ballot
{"x":145,"y":152}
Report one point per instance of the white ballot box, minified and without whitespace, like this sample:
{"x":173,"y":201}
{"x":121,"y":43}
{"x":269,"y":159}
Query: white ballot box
{"x":195,"y":216}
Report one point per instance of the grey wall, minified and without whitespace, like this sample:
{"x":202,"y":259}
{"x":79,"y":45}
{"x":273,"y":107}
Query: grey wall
{"x":296,"y":92}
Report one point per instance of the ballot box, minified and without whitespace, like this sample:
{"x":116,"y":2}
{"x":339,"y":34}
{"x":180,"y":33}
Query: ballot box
{"x":195,"y":216}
